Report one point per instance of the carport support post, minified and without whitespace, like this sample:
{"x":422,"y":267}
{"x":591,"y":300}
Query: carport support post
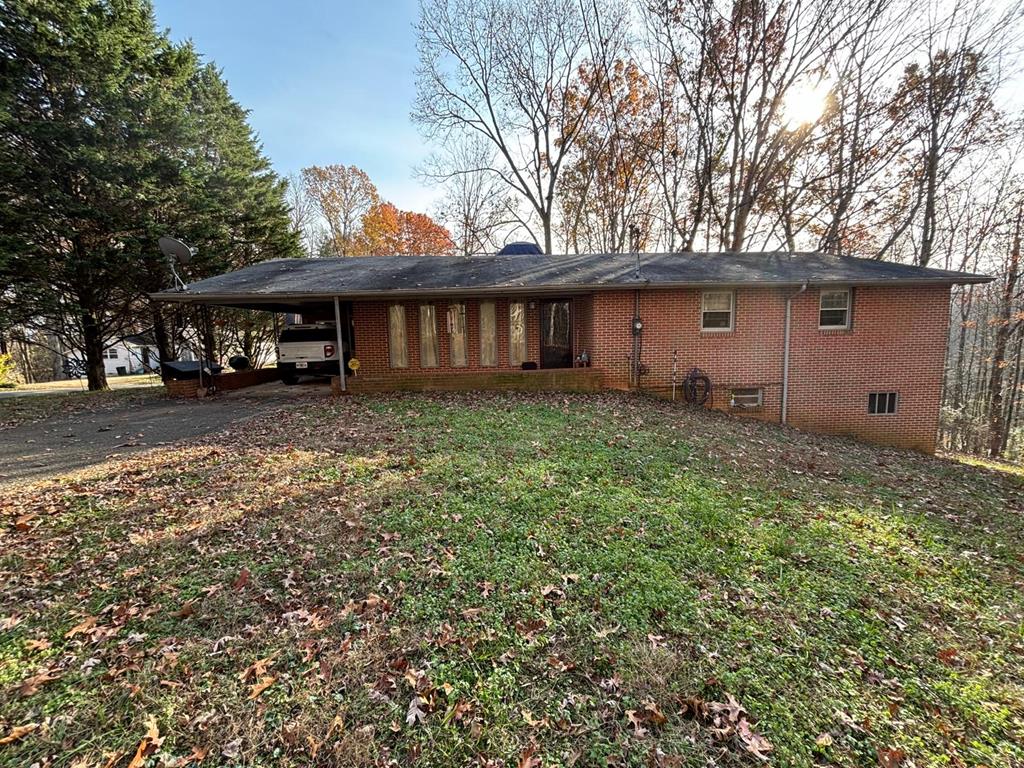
{"x":341,"y":348}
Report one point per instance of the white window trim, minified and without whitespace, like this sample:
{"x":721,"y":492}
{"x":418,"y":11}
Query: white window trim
{"x":849,"y":309}
{"x":758,"y":392}
{"x":732,"y":312}
{"x":893,"y":412}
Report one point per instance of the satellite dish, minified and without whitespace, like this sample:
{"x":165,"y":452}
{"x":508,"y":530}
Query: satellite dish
{"x":176,"y":250}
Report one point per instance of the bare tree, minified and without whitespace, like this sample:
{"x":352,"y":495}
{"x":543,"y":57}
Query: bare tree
{"x":506,"y":71}
{"x":477,"y":205}
{"x":949,"y":101}
{"x":303,"y":215}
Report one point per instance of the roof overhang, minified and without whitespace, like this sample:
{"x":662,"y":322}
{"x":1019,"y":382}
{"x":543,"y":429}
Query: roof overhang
{"x":289,"y":300}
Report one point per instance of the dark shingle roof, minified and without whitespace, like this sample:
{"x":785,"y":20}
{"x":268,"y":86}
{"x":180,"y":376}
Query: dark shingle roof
{"x":380,"y":276}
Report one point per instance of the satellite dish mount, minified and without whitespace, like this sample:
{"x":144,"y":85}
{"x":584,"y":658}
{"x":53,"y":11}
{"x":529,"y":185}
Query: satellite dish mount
{"x":177,"y":253}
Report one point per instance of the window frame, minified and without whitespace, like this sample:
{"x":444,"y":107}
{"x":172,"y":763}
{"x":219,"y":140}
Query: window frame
{"x":892,"y":398}
{"x":460,"y":308}
{"x":423,"y":342}
{"x":704,"y":312}
{"x":405,"y":339}
{"x":493,"y":361}
{"x":526,"y":335}
{"x":758,"y":391}
{"x":848,"y":309}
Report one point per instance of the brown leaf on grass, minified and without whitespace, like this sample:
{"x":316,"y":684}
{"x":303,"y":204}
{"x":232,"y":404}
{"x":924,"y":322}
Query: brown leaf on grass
{"x":150,"y":743}
{"x":37,"y":645}
{"x":242,"y":580}
{"x":19,"y":732}
{"x":948,"y":656}
{"x":891,"y":758}
{"x":257,"y":688}
{"x":415,"y":713}
{"x":753,"y":742}
{"x":258,"y":668}
{"x":81,"y":628}
{"x":486,"y":588}
{"x":32,"y":684}
{"x":9,"y":622}
{"x":197,"y":755}
{"x":22,"y":523}
{"x":528,"y":757}
{"x":648,"y":715}
{"x":731,"y":709}
{"x":529,"y":629}
{"x":186,"y":610}
{"x":471,"y":613}
{"x":551,"y":592}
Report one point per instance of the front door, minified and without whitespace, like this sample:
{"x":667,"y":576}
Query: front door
{"x":556,"y":334}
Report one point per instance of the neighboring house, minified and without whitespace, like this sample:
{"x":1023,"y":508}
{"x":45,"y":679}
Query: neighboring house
{"x":839,"y":345}
{"x":131,"y":355}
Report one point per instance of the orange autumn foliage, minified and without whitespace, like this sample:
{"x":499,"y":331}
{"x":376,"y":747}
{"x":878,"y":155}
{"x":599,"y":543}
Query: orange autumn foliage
{"x":388,"y":230}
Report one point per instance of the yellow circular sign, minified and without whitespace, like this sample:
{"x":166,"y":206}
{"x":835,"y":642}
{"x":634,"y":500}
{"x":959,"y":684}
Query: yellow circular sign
{"x":353,"y":364}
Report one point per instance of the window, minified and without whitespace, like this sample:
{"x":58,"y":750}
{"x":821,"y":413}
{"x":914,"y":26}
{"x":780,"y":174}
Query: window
{"x":750,"y":397}
{"x":428,"y":336}
{"x":882,"y":402}
{"x":834,"y":309}
{"x":488,"y":334}
{"x":110,"y":354}
{"x":457,"y":335}
{"x":398,"y":351}
{"x":516,"y":333}
{"x":716,"y":311}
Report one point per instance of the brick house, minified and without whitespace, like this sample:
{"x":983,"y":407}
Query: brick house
{"x":838,"y":345}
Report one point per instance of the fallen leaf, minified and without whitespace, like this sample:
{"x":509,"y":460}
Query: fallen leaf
{"x":824,"y":740}
{"x":528,"y":757}
{"x":19,"y":732}
{"x":242,"y":580}
{"x":415,"y":713}
{"x":150,"y":743}
{"x":81,"y":628}
{"x":257,"y":688}
{"x":891,"y":758}
{"x":30,"y":685}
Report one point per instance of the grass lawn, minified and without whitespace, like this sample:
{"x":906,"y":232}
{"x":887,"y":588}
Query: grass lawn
{"x":514,"y":581}
{"x":79,"y":385}
{"x":25,"y":409}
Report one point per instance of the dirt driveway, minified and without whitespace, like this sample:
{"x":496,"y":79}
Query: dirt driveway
{"x":70,"y":442}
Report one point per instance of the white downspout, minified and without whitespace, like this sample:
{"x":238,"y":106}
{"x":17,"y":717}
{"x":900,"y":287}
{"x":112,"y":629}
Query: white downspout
{"x":341,"y":346}
{"x":785,"y":352}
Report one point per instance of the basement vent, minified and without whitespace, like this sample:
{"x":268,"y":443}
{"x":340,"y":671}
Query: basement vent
{"x":749,"y":397}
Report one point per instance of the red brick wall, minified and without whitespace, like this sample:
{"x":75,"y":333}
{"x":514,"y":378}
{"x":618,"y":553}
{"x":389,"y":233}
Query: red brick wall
{"x":223,"y":381}
{"x":896,"y":343}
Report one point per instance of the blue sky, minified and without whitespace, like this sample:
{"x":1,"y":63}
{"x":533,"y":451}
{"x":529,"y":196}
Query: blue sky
{"x":326,"y":82}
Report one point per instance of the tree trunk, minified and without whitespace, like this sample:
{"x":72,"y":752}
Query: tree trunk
{"x":928,"y":225}
{"x":209,"y":350}
{"x":1011,"y":408}
{"x":163,"y":339}
{"x":996,"y":422}
{"x":92,"y":335}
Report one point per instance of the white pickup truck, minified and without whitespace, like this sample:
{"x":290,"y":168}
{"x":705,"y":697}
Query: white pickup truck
{"x":310,"y":350}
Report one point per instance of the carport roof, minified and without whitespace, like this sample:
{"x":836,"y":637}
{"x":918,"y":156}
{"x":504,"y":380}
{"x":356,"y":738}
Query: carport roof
{"x":282,"y":282}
